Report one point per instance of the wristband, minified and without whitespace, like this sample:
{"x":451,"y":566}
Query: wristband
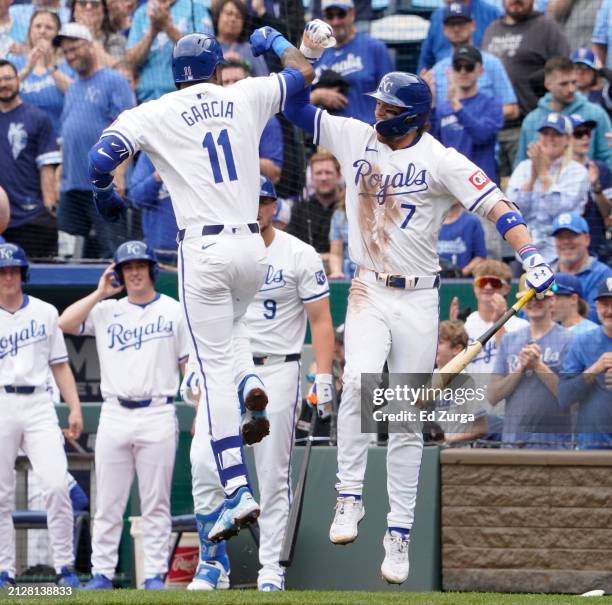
{"x":311,"y":54}
{"x":526,"y":251}
{"x":280,"y":45}
{"x":508,"y":221}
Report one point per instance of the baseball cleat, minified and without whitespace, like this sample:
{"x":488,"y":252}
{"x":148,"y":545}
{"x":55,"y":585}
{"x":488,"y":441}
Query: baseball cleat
{"x":394,"y":568}
{"x":349,"y":512}
{"x":99,"y":582}
{"x":269,"y":587}
{"x":210,"y":575}
{"x":67,"y":577}
{"x":6,"y":580}
{"x":254,"y":426}
{"x":238,"y":511}
{"x":154,"y":583}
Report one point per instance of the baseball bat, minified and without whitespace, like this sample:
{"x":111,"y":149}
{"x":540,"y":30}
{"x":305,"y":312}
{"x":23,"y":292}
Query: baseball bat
{"x":295,"y":512}
{"x":458,"y":363}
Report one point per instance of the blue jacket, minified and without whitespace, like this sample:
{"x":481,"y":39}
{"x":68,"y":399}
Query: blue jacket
{"x":436,"y":46}
{"x":599,"y":149}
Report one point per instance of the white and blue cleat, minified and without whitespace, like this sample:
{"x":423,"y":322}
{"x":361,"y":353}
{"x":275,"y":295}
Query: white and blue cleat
{"x":238,"y":511}
{"x":254,"y":423}
{"x":269,"y":587}
{"x":6,"y":580}
{"x":210,"y":575}
{"x":155,"y":583}
{"x":99,"y":582}
{"x":68,"y":577}
{"x":395,"y":567}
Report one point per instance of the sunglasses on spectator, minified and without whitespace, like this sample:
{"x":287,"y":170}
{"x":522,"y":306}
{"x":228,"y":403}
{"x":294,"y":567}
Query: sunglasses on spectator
{"x":580,"y":133}
{"x":89,"y":3}
{"x":490,"y":280}
{"x":466,"y":67}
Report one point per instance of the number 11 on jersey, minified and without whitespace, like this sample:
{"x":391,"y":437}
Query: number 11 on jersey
{"x":222,"y":141}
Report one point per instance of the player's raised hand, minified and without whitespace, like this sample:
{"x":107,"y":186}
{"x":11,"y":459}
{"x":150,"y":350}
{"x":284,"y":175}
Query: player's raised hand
{"x":262,"y":39}
{"x":75,"y":424}
{"x":318,"y":36}
{"x":108,"y":284}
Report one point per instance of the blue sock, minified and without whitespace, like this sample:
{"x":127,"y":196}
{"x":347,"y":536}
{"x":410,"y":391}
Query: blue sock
{"x":215,"y":551}
{"x":357,"y":498}
{"x":404,"y":531}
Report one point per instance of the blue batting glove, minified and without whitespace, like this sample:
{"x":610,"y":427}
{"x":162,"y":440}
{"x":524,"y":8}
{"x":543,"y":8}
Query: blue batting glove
{"x":109,"y":204}
{"x":262,"y":39}
{"x":540,"y":276}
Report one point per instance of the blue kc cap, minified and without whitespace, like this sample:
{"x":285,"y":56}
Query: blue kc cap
{"x":567,"y":284}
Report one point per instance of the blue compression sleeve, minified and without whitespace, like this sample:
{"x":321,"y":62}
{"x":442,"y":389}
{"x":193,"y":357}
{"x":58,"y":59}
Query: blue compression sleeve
{"x":106,"y":155}
{"x":299,"y":111}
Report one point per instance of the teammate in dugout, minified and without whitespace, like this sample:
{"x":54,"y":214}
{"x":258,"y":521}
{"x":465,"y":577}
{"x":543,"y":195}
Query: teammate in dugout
{"x":142,"y":343}
{"x":295,"y":289}
{"x":30,"y":344}
{"x":400,"y":183}
{"x":203,"y":140}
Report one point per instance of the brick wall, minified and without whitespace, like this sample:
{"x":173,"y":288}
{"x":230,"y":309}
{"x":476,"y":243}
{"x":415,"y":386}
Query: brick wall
{"x":526,"y":521}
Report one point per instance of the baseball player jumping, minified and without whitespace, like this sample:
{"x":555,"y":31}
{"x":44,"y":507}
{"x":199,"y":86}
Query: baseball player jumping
{"x":30,"y":344}
{"x":203,"y":140}
{"x":142,"y":343}
{"x":295,"y":288}
{"x":400,"y":183}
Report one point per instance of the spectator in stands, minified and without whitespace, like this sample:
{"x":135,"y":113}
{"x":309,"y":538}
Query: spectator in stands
{"x":549,"y":182}
{"x":8,"y":31}
{"x":21,"y":14}
{"x":526,"y":376}
{"x":93,"y":101}
{"x":493,"y":81}
{"x":311,"y":219}
{"x":359,"y":60}
{"x":5,"y":212}
{"x":29,"y":156}
{"x":470,"y":120}
{"x":586,"y":377}
{"x":571,"y":233}
{"x":452,"y":339}
{"x":588,"y":81}
{"x":43,"y":73}
{"x":120,"y":14}
{"x":340,"y":264}
{"x":230,"y":20}
{"x":599,"y":201}
{"x":560,"y":81}
{"x":156,"y":26}
{"x":436,"y":45}
{"x":569,"y":307}
{"x":109,"y":46}
{"x":149,"y":194}
{"x":271,"y":141}
{"x":576,"y":18}
{"x":523,"y":39}
{"x":461,"y":241}
{"x":602,"y":34}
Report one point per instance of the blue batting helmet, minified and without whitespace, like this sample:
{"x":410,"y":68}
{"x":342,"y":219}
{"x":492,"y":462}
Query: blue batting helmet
{"x":266,"y":187}
{"x":12,"y":255}
{"x":409,"y":92}
{"x":134,"y":250}
{"x":195,"y":58}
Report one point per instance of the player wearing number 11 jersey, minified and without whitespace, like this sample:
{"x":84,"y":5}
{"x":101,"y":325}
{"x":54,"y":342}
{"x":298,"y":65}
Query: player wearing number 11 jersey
{"x":203,"y":140}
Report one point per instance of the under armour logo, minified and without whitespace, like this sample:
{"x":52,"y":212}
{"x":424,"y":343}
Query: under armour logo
{"x":511,"y":219}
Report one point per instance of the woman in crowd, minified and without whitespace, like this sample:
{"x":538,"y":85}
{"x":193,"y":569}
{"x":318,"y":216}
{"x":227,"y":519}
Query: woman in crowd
{"x":549,"y":182}
{"x":43,"y":73}
{"x":229,"y":18}
{"x":110,"y":46}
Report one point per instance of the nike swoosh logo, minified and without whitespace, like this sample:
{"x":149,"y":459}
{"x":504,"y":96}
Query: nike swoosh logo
{"x":208,"y":245}
{"x":370,"y":149}
{"x":102,"y":152}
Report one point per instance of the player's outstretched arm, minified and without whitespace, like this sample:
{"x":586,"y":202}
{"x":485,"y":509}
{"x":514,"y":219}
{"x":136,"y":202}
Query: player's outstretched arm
{"x":74,"y":316}
{"x":513,"y":229}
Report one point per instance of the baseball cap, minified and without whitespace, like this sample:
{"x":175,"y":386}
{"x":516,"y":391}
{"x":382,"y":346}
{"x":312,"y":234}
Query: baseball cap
{"x":571,"y":221}
{"x":605,"y":289}
{"x":457,"y":11}
{"x":344,"y":5}
{"x":567,"y":284}
{"x":74,"y":31}
{"x":578,"y":120}
{"x":557,"y":121}
{"x":470,"y":54}
{"x":584,"y":56}
{"x":523,"y":288}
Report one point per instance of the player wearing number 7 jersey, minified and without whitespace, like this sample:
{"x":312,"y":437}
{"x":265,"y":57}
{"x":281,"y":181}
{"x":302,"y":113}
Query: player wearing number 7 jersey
{"x":203,"y":140}
{"x":400,"y":183}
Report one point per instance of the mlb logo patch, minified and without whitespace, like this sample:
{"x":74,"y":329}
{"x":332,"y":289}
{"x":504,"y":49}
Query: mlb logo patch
{"x":479,"y":179}
{"x":320,"y":277}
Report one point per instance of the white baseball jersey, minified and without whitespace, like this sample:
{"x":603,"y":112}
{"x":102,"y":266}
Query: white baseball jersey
{"x":276,"y":318}
{"x":30,"y":342}
{"x":475,"y":327}
{"x":204,"y":142}
{"x":396,"y":201}
{"x":139,"y":346}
